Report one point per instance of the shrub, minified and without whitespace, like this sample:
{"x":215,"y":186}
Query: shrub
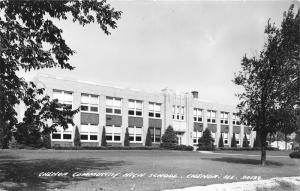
{"x":233,"y":141}
{"x":169,"y":137}
{"x":103,"y":139}
{"x":257,"y":142}
{"x":148,"y":138}
{"x":77,"y":141}
{"x":249,"y":149}
{"x":126,"y":139}
{"x":295,"y":154}
{"x":206,"y":148}
{"x":206,"y":141}
{"x":245,"y":142}
{"x":47,"y":141}
{"x":221,"y":142}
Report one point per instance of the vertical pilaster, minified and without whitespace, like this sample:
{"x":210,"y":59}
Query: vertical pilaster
{"x":124,"y":118}
{"x":102,"y":115}
{"x":145,"y":120}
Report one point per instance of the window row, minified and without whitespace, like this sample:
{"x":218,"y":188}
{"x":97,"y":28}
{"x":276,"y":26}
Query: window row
{"x":113,"y":134}
{"x":178,"y":112}
{"x":90,"y":103}
{"x":198,"y":134}
{"x":211,"y":117}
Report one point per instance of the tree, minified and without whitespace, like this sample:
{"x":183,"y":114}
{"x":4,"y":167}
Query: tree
{"x":77,"y":141}
{"x":206,"y":141}
{"x":103,"y":139}
{"x":233,"y":141}
{"x":148,"y":139}
{"x":271,"y":81}
{"x":126,"y":139}
{"x":169,"y":138}
{"x":221,"y":141}
{"x":245,"y":142}
{"x":30,"y":40}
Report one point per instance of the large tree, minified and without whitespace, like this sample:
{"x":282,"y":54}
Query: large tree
{"x":30,"y":40}
{"x":271,"y":81}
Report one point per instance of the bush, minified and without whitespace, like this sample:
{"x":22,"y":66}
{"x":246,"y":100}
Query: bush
{"x":206,"y":148}
{"x":77,"y":141}
{"x":175,"y":147}
{"x":249,"y":149}
{"x":233,"y":141}
{"x":169,"y":137}
{"x":103,"y":139}
{"x":245,"y":142}
{"x":295,"y":155}
{"x":206,"y":141}
{"x":126,"y":139}
{"x":148,"y":139}
{"x":221,"y":142}
{"x":47,"y":141}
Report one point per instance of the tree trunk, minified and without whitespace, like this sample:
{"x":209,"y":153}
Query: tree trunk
{"x":263,"y":149}
{"x":285,"y":141}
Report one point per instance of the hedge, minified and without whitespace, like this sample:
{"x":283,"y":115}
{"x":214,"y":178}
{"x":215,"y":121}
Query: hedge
{"x":295,"y":154}
{"x":175,"y":147}
{"x":206,"y":148}
{"x":248,"y":149}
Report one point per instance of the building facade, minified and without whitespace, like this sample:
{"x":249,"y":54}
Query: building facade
{"x":117,"y":109}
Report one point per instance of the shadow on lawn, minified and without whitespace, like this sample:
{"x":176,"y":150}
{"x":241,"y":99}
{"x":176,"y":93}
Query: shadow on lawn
{"x":19,"y":174}
{"x":244,"y":161}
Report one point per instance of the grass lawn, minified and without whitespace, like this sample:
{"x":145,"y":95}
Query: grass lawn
{"x":20,"y":169}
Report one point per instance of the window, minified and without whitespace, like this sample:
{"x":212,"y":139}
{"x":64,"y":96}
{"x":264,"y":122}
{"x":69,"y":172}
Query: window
{"x":225,"y":138}
{"x":198,"y":115}
{"x":62,"y":135}
{"x":248,"y":138}
{"x":113,"y":105}
{"x":155,"y":134}
{"x":182,"y":113}
{"x":235,"y":119}
{"x":63,"y":97}
{"x":196,"y":136}
{"x":237,"y":138}
{"x":135,"y":108}
{"x":224,"y":118}
{"x":89,"y":103}
{"x":211,"y":116}
{"x":113,"y":133}
{"x":178,"y":112}
{"x":135,"y":134}
{"x":89,"y":133}
{"x":154,"y":110}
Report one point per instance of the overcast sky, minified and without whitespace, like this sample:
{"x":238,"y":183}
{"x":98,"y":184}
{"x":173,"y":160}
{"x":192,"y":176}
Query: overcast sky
{"x":185,"y":46}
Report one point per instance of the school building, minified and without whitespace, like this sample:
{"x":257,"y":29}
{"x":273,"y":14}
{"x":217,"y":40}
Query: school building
{"x":118,"y":108}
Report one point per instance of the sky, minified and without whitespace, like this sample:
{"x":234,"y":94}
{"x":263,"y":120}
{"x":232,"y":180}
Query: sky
{"x":180,"y":45}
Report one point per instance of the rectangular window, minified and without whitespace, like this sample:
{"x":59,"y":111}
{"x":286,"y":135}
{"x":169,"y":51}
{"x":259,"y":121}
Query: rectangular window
{"x":235,"y":119}
{"x":248,"y":138}
{"x":113,"y":133}
{"x":224,"y":118}
{"x":114,"y":105}
{"x":89,"y":132}
{"x":225,"y":138}
{"x":211,"y":116}
{"x":196,"y":136}
{"x":178,"y":112}
{"x":135,"y":134}
{"x":155,"y":134}
{"x":62,"y":135}
{"x":135,"y":108}
{"x":237,"y":138}
{"x":89,"y":103}
{"x":198,"y":115}
{"x":63,"y":97}
{"x":154,"y":110}
{"x":173,"y":111}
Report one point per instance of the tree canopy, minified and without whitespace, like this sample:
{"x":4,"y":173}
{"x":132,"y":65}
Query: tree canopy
{"x":30,"y":40}
{"x":271,"y":81}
